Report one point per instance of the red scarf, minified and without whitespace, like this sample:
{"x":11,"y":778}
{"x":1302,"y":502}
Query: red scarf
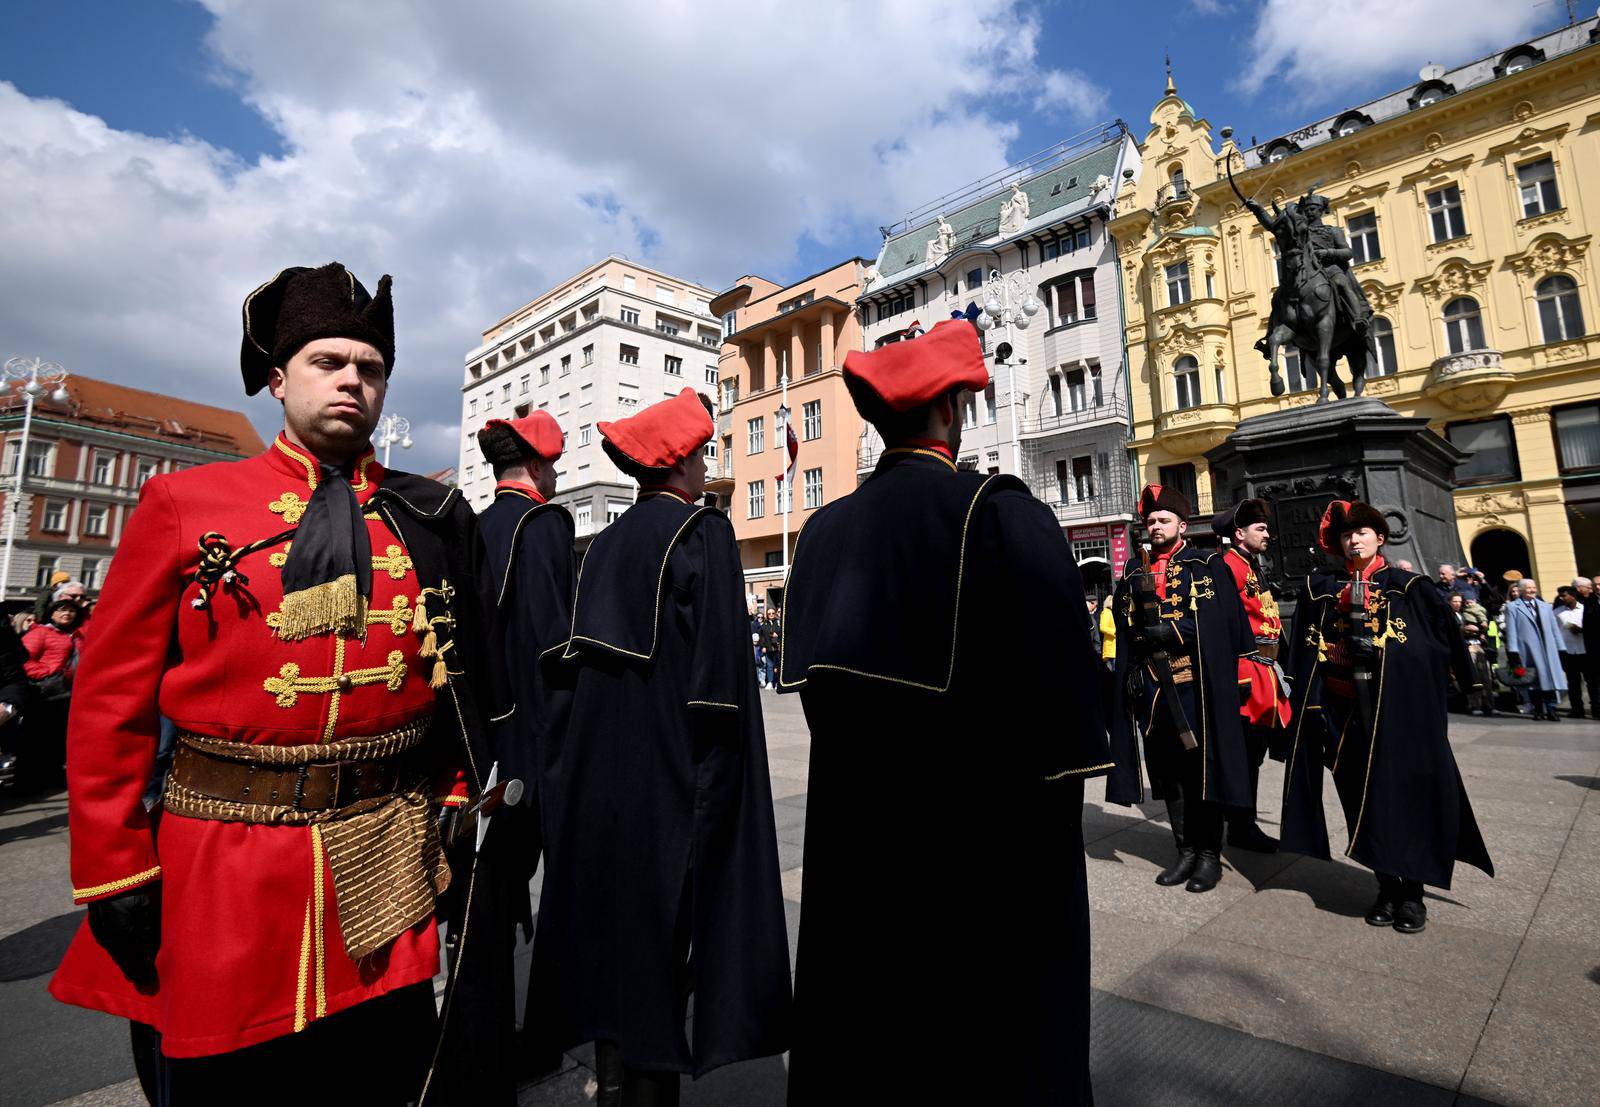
{"x":520,"y":488}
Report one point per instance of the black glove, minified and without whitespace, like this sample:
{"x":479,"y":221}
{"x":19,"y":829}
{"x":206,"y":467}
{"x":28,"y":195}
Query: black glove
{"x":1360,"y":649}
{"x":128,"y":927}
{"x":1514,"y":659}
{"x":1161,"y":637}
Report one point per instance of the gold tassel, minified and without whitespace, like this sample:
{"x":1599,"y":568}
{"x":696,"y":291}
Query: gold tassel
{"x":335,"y":605}
{"x":441,"y":675}
{"x":419,"y":615}
{"x":430,"y":646}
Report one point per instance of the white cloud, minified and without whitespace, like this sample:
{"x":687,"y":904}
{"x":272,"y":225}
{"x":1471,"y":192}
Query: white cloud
{"x":484,"y":150}
{"x":1209,"y":7}
{"x":1310,"y":48}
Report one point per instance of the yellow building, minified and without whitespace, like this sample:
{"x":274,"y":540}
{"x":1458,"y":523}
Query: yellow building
{"x":1467,"y":199}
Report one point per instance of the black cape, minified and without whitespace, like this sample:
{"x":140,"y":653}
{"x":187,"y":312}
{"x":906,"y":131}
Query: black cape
{"x":441,"y":535}
{"x":1202,"y":604}
{"x":935,"y":628}
{"x":533,"y":568}
{"x":1399,"y":786}
{"x":662,"y":827}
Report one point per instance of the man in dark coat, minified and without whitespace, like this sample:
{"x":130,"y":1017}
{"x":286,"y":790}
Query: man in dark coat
{"x":1376,"y":649}
{"x":663,"y":879}
{"x":529,"y":542}
{"x":1200,"y":625}
{"x":928,"y":607}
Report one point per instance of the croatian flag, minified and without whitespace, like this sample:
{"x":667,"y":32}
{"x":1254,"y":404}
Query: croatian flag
{"x":792,"y":444}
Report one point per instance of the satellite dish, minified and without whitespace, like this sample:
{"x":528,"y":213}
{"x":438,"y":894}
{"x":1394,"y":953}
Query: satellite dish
{"x":1432,"y":71}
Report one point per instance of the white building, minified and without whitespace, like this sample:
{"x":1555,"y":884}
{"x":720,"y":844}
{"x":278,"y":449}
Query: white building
{"x":1062,"y":424}
{"x":615,"y":338}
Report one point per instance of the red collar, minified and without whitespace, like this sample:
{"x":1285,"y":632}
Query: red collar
{"x":930,"y":444}
{"x":519,"y":488}
{"x":295,"y":462}
{"x":666,"y":489}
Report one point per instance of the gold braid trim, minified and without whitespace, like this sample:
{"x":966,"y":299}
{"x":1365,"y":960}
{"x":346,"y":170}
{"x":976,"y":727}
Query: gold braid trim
{"x":116,"y":885}
{"x":375,"y":748}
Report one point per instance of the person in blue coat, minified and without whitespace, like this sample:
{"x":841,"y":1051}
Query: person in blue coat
{"x":1533,"y":642}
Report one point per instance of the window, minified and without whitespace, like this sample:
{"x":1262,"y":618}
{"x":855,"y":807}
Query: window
{"x":896,"y":306}
{"x":628,"y":355}
{"x":143,"y":470}
{"x":1560,"y":314}
{"x":800,"y":301}
{"x":756,"y":507}
{"x":1083,"y":478}
{"x":1077,"y":394}
{"x":1463,"y":325}
{"x":1294,"y":369}
{"x":1073,"y":299}
{"x":93,"y":570}
{"x":1578,"y":437}
{"x":813,"y":488}
{"x":711,"y":375}
{"x":544,"y":374}
{"x":1052,"y":250}
{"x":566,"y":365}
{"x":1222,"y":391}
{"x":1178,"y":284}
{"x":1432,"y":94}
{"x":779,"y":439}
{"x":1095,"y":394}
{"x":969,"y":410}
{"x":1388,"y":364}
{"x":1493,"y":452}
{"x":1349,"y":124}
{"x":1055,"y":394}
{"x":728,"y":323}
{"x":1518,"y":61}
{"x":1444,"y":211}
{"x":811,"y":419}
{"x":472,"y":406}
{"x":505,"y":392}
{"x":1537,"y":180}
{"x":562,"y":401}
{"x":757,"y":428}
{"x":55,"y":516}
{"x":667,"y":326}
{"x":1182,"y":478}
{"x":974,"y":279}
{"x":95,"y":520}
{"x":1278,"y":152}
{"x":1180,"y":187}
{"x":665,"y":295}
{"x":105,"y":468}
{"x":730,"y":392}
{"x":1063,"y":485}
{"x":629,"y":281}
{"x":629,"y":315}
{"x":989,"y":412}
{"x":522,"y":388}
{"x":584,"y":434}
{"x":46,"y":570}
{"x":783,"y":496}
{"x":673,"y":366}
{"x":1363,"y":234}
{"x":583,"y":517}
{"x":588,"y":355}
{"x":488,"y":400}
{"x":1186,"y":382}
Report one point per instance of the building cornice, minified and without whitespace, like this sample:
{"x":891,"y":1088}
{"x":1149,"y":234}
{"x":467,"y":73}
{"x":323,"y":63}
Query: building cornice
{"x":603,"y":320}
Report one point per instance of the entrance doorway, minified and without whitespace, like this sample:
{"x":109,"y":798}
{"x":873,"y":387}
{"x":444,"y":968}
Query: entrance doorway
{"x":1495,"y":551}
{"x":1096,"y":573}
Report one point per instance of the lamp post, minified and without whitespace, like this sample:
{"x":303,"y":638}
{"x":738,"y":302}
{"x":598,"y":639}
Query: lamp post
{"x":1007,"y":305}
{"x":392,"y":429}
{"x":42,"y":376}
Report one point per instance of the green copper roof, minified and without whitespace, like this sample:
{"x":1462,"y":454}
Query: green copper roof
{"x":1065,"y":185}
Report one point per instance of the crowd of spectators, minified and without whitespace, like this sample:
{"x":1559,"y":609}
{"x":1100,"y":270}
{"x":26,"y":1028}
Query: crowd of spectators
{"x":38,"y":659}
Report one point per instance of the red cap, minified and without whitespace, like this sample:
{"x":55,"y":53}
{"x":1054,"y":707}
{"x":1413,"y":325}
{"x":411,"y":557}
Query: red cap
{"x":664,"y":433}
{"x":537,"y":432}
{"x":913,"y":372}
{"x":1348,"y":515}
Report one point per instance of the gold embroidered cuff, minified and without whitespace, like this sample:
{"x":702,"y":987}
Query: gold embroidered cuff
{"x":79,"y":894}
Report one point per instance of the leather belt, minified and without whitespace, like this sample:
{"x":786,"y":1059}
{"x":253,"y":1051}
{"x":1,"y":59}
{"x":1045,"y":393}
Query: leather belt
{"x":317,"y":786}
{"x":1268,"y":648}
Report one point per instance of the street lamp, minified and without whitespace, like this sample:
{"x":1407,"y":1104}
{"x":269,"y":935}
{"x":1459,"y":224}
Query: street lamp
{"x":42,"y":376}
{"x":392,"y":429}
{"x":1006,"y":305}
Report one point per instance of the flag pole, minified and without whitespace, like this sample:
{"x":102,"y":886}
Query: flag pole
{"x":788,"y":471}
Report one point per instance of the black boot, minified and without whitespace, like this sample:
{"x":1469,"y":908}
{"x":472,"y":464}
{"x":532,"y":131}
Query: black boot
{"x":1411,"y":917}
{"x":1180,"y":870}
{"x":1381,"y":913}
{"x":608,"y":1074}
{"x":1207,"y":871}
{"x":1246,"y":834}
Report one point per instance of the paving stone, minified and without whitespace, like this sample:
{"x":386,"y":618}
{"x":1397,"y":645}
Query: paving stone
{"x":1123,"y":945}
{"x":1130,"y":890}
{"x":1562,"y":978}
{"x":1525,"y":1057}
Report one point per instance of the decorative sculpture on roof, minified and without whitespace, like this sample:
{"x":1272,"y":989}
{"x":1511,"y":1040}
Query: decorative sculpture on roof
{"x":1014,"y":210}
{"x":939,"y":246}
{"x":1317,"y":307}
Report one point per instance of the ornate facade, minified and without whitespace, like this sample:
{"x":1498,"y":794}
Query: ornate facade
{"x":1467,"y":200}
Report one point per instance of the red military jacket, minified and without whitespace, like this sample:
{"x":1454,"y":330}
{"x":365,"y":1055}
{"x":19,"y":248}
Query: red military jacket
{"x":1266,"y":704}
{"x":250,"y":946}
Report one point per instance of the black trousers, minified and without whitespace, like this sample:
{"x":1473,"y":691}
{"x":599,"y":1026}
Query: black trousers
{"x":1398,"y":890}
{"x":1256,"y":740}
{"x":1578,"y":667}
{"x":1196,"y":822}
{"x":375,"y":1053}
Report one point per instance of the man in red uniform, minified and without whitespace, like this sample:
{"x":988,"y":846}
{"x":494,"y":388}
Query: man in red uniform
{"x":308,"y":623}
{"x":1264,"y":695}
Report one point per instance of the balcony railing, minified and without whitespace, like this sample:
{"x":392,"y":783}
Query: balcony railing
{"x":1173,"y":191}
{"x":1113,"y":409}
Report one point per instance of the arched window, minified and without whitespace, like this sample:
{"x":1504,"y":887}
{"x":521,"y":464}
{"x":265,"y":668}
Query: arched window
{"x":1349,"y":123}
{"x":1463,"y":325}
{"x":1560,"y":314}
{"x":1518,"y":61}
{"x":1180,"y":187}
{"x":1382,"y":333}
{"x":1186,"y":382}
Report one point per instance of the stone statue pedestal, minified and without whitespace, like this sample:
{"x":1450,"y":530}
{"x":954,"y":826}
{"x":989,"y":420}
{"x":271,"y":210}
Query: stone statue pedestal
{"x":1358,"y":449}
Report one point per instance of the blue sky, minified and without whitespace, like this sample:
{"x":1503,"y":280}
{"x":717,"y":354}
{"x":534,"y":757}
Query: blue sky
{"x":163,"y":157}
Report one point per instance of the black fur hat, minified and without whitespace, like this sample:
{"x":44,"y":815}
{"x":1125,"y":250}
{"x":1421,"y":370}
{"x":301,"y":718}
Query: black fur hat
{"x":301,"y":304}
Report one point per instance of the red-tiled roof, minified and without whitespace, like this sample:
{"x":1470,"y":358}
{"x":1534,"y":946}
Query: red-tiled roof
{"x":134,"y":411}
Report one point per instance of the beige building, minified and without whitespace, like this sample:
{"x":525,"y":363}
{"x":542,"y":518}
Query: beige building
{"x":1467,"y":199}
{"x":614,"y":338}
{"x":1058,"y":412}
{"x":803,"y":331}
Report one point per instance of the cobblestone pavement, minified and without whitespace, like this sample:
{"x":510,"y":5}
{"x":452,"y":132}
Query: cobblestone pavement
{"x":1268,"y":989}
